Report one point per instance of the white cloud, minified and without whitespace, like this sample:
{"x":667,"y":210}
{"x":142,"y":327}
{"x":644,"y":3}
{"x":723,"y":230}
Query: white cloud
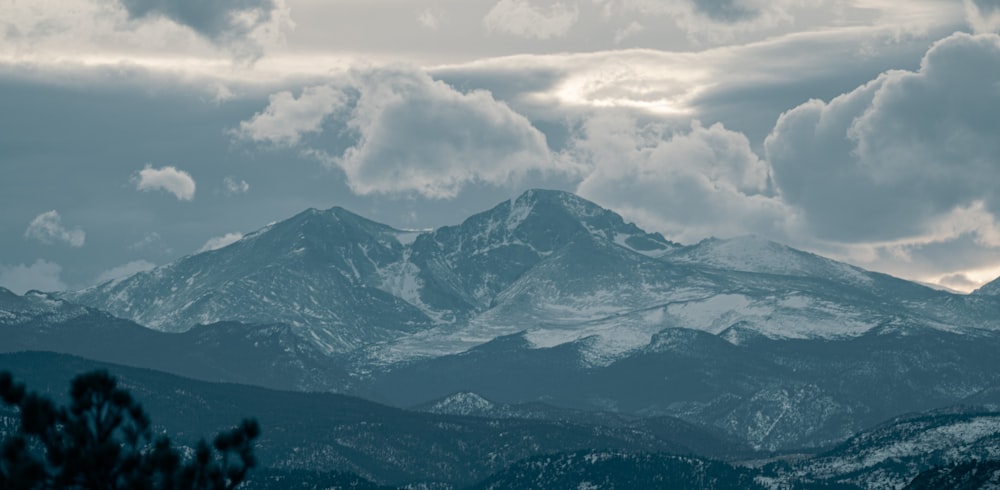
{"x":421,"y":135}
{"x":42,"y":276}
{"x":287,"y":118}
{"x":170,"y":179}
{"x":416,"y":135}
{"x":967,"y":280}
{"x":125,"y":270}
{"x":690,"y":184}
{"x":235,"y":186}
{"x":891,"y":159}
{"x":899,"y":174}
{"x":48,"y":229}
{"x":218,"y":242}
{"x":522,"y":18}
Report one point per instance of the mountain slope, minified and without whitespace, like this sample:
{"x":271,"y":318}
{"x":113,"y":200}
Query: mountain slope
{"x":778,"y":347}
{"x":323,"y":432}
{"x":895,"y":453}
{"x":317,"y":270}
{"x":269,"y":355}
{"x":773,"y":394}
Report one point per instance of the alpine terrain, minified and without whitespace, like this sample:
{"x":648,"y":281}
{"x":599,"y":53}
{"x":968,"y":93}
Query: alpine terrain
{"x":550,"y":313}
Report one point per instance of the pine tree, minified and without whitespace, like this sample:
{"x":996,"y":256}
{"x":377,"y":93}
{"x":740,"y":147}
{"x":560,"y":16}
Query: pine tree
{"x":103,"y":440}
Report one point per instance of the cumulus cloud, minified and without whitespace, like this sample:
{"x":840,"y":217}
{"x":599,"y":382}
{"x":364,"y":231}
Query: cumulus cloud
{"x":42,"y":276}
{"x":246,"y":26}
{"x":235,"y":186}
{"x":218,"y":242}
{"x":421,"y":135}
{"x":901,"y":158}
{"x":522,"y":18}
{"x":689,"y":184}
{"x":170,"y":179}
{"x":125,"y":270}
{"x":415,"y":135}
{"x":48,"y":229}
{"x":287,"y":118}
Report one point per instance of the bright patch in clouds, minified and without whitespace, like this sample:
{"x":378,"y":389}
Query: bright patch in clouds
{"x":218,"y":242}
{"x":47,"y":228}
{"x":170,"y":179}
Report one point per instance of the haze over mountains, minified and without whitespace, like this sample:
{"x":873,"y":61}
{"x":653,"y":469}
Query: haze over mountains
{"x":548,"y":307}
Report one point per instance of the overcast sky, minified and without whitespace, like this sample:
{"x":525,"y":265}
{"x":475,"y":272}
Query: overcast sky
{"x":134,"y":132}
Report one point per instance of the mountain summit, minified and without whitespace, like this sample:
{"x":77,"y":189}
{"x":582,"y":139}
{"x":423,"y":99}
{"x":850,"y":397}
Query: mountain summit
{"x":318,"y":270}
{"x":547,"y":265}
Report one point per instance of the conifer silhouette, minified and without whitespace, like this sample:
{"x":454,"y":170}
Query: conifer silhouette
{"x":103,"y":440}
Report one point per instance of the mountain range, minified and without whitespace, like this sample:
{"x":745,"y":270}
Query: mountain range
{"x":548,"y":263}
{"x":545,"y":307}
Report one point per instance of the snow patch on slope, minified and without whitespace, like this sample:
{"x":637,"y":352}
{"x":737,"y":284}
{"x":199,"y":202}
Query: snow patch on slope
{"x":756,"y":254}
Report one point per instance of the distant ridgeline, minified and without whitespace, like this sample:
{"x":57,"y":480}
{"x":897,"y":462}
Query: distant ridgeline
{"x":543,"y":342}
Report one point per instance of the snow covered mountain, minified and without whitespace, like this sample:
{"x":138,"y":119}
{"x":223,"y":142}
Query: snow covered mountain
{"x":319,"y":270}
{"x":549,"y":263}
{"x":779,"y":347}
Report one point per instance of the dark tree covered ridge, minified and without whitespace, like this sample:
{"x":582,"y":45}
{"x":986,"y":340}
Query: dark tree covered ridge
{"x":103,"y":440}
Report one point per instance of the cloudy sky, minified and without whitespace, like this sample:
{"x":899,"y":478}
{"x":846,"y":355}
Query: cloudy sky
{"x":134,"y":132}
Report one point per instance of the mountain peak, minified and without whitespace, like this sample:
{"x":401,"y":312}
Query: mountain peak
{"x":322,"y":228}
{"x":544,"y":199}
{"x":545,"y":211}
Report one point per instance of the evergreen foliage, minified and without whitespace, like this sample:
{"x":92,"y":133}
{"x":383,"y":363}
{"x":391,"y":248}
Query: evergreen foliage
{"x":104,"y":439}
